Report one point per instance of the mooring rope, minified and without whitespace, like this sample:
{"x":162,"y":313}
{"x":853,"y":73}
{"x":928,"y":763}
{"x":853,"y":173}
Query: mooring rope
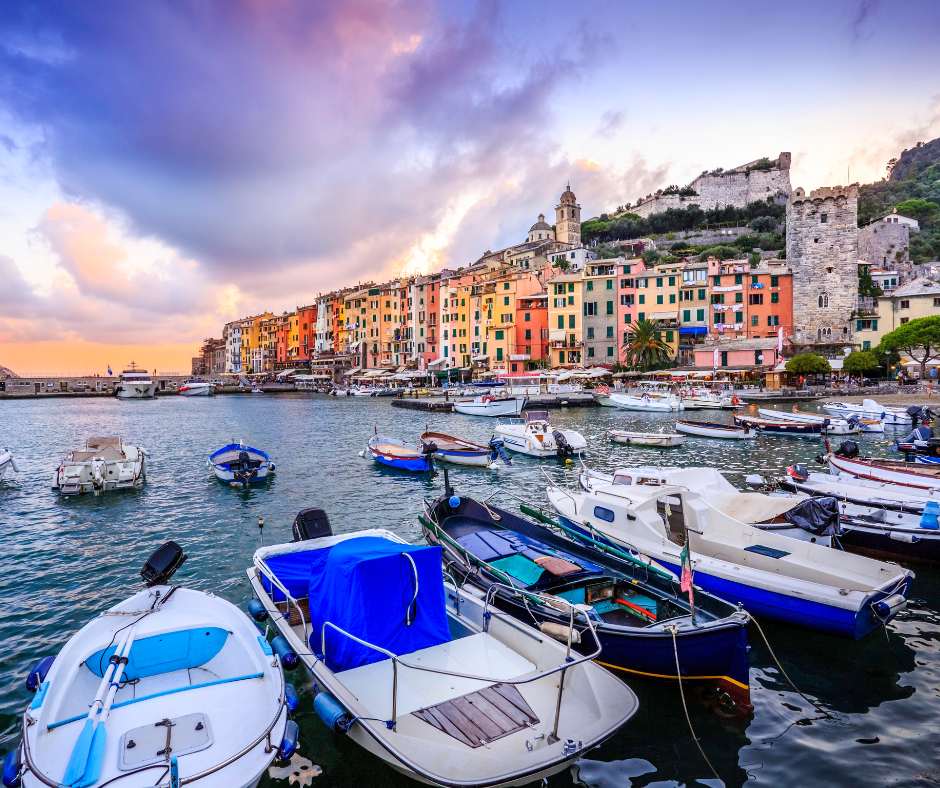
{"x":672,"y":630}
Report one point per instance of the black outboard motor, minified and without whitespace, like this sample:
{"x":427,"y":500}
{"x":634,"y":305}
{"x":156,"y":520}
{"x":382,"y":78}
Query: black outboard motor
{"x":847,"y":449}
{"x":429,"y":448}
{"x":162,"y":564}
{"x":564,"y":448}
{"x":499,"y":450}
{"x":311,"y":524}
{"x":916,"y":414}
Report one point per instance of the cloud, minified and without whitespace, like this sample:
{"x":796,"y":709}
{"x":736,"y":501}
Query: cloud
{"x":611,"y":122}
{"x":866,"y":9}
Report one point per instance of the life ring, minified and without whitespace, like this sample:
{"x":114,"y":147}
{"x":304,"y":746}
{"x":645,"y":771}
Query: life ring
{"x":504,"y":394}
{"x":735,"y":401}
{"x":602,"y":390}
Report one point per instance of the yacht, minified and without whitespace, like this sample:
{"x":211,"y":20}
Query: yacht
{"x":104,"y":464}
{"x":197,"y":387}
{"x":135,"y":383}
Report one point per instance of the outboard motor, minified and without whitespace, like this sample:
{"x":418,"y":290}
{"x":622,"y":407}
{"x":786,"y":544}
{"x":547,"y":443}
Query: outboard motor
{"x":798,"y":473}
{"x":916,"y":414}
{"x":244,"y":461}
{"x":847,"y":449}
{"x":429,"y":448}
{"x":311,"y":524}
{"x":499,"y":450}
{"x":162,"y":564}
{"x":564,"y":448}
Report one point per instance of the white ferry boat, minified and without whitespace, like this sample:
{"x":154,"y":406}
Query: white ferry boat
{"x":135,"y":383}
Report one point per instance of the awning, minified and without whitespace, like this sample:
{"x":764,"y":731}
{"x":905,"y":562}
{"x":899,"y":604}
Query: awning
{"x":693,"y":330}
{"x":352,"y":371}
{"x":286,"y":372}
{"x":480,"y":358}
{"x":663,"y":316}
{"x":355,"y":345}
{"x":436,"y":363}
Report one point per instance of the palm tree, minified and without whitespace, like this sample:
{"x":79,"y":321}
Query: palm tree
{"x":644,"y":346}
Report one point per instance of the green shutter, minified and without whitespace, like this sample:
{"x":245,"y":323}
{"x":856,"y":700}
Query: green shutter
{"x":858,"y":325}
{"x":686,"y":315}
{"x":499,"y":335}
{"x":700,"y":315}
{"x":874,"y":325}
{"x":669,"y":336}
{"x":561,"y":321}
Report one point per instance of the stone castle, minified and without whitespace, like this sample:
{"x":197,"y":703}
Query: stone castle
{"x":736,"y":187}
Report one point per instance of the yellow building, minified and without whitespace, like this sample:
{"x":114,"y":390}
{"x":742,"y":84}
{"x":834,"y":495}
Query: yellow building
{"x":918,"y":298}
{"x":352,"y":308}
{"x":657,"y":298}
{"x":564,"y":318}
{"x":254,"y":354}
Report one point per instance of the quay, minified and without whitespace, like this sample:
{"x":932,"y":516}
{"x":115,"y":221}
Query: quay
{"x":550,"y":402}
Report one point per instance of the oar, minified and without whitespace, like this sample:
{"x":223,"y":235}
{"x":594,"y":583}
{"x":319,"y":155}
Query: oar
{"x":79,"y":757}
{"x":96,"y":753}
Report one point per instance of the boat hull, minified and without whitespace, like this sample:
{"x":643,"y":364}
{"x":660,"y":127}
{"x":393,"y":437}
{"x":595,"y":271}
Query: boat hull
{"x":476,"y":459}
{"x":517,"y":439}
{"x":136,"y":391}
{"x":646,"y":439}
{"x":396,"y":454}
{"x":259,"y":469}
{"x":628,"y":402}
{"x":204,"y":390}
{"x":892,"y":417}
{"x":703,"y":429}
{"x":511,"y":406}
{"x":910,"y":479}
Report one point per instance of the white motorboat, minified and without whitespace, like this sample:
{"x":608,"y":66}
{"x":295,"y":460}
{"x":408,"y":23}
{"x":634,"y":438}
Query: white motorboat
{"x":104,"y":464}
{"x":257,"y":391}
{"x":135,"y":383}
{"x":364,"y":391}
{"x":646,"y":402}
{"x":187,"y":690}
{"x":832,"y":425}
{"x":461,"y":452}
{"x":713,"y":400}
{"x":238,"y":463}
{"x":869,"y":409}
{"x":196,"y":388}
{"x":396,"y":655}
{"x":7,"y":460}
{"x":658,"y":439}
{"x":501,"y":404}
{"x":788,"y":580}
{"x":708,"y":429}
{"x":534,"y":436}
{"x":907,"y":474}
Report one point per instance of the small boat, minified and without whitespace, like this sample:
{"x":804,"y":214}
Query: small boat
{"x":187,"y":689}
{"x":707,"y":429}
{"x":196,"y":388}
{"x":534,"y":436}
{"x":491,"y":405}
{"x":104,"y":464}
{"x":644,"y":402}
{"x":782,"y":427}
{"x":869,"y":409}
{"x":877,"y":519}
{"x":773,"y":576}
{"x":906,"y":474}
{"x":7,"y":460}
{"x":135,"y":383}
{"x":257,"y":391}
{"x":433,"y":679}
{"x":833,"y":426}
{"x":363,"y":391}
{"x":627,"y":598}
{"x":398,"y":454}
{"x":461,"y":452}
{"x":601,"y":396}
{"x":240,"y":464}
{"x":660,"y":440}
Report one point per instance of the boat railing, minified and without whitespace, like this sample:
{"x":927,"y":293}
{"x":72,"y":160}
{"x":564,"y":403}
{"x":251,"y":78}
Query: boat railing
{"x":262,"y":567}
{"x":569,"y":662}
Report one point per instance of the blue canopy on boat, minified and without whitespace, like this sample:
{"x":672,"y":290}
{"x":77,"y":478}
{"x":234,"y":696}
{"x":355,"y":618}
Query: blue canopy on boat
{"x":368,"y":587}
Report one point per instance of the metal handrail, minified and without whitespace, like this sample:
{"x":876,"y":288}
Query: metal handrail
{"x":288,"y":597}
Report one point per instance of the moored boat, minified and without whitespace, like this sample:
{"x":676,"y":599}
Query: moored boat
{"x":869,"y":409}
{"x":535,"y":436}
{"x":398,"y":454}
{"x":832,"y":425}
{"x":907,"y":474}
{"x":196,"y":387}
{"x":238,"y":463}
{"x":104,"y":464}
{"x":708,"y":429}
{"x":660,"y":440}
{"x":788,"y":580}
{"x":645,"y":402}
{"x":459,"y":451}
{"x":634,"y":605}
{"x":432,"y":678}
{"x":7,"y":460}
{"x":782,"y":427}
{"x":135,"y":383}
{"x":187,"y":689}
{"x":501,"y":404}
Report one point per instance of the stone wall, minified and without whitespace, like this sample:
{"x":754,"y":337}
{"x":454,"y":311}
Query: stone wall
{"x":881,"y":243}
{"x":822,"y":252}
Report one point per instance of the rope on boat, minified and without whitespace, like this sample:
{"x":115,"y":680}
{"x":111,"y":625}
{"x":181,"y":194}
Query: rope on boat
{"x":672,"y":630}
{"x":816,"y":706}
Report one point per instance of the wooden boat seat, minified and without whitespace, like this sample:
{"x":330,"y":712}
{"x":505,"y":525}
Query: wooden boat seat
{"x":295,"y":620}
{"x":398,"y":451}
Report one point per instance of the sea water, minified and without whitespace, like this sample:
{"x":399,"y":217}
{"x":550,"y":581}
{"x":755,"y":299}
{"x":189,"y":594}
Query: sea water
{"x":66,"y":559}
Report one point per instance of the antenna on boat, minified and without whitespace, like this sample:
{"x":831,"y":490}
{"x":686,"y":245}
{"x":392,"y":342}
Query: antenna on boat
{"x":261,"y":529}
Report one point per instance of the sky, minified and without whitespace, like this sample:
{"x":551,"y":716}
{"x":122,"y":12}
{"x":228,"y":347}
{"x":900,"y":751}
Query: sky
{"x":168,"y":166}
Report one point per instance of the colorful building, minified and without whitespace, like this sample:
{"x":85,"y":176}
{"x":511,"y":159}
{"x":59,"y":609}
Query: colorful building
{"x":564,"y":319}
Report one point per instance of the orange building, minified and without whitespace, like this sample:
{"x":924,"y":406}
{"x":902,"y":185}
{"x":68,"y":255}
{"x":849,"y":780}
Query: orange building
{"x":531,"y":333}
{"x":750,"y":303}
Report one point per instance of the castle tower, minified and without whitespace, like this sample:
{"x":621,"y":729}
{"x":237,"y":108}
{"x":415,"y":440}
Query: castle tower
{"x":822,"y":252}
{"x":568,"y":219}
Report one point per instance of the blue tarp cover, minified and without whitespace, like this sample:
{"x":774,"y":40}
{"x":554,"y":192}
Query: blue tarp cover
{"x":364,"y":586}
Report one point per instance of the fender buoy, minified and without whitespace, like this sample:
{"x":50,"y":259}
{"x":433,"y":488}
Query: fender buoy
{"x":602,"y":390}
{"x":504,"y":394}
{"x":735,"y":401}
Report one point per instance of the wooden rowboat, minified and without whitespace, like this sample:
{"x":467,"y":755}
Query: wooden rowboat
{"x":658,"y":439}
{"x":707,"y":429}
{"x":457,"y":450}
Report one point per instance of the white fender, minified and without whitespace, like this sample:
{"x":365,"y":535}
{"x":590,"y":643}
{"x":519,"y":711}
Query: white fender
{"x":13,"y":462}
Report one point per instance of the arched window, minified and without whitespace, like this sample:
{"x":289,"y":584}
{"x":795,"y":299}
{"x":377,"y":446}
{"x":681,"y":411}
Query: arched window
{"x":823,"y":300}
{"x":824,"y":333}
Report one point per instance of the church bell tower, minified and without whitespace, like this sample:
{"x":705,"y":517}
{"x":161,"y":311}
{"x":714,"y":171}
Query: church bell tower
{"x":568,"y":219}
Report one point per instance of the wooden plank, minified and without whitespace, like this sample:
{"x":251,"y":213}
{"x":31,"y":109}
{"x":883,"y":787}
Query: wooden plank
{"x":458,"y":718}
{"x":505,"y":723}
{"x":511,"y":694}
{"x":490,"y":729}
{"x":433,"y":717}
{"x":517,"y":715}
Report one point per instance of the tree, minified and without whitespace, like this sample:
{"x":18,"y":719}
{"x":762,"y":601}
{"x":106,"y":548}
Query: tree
{"x":860,"y":362}
{"x":650,"y":256}
{"x":866,"y":285}
{"x":919,"y":338}
{"x":808,"y":364}
{"x":763,"y":224}
{"x":925,"y":212}
{"x":644,"y":346}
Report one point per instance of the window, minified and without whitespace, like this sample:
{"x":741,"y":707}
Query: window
{"x":754,"y":279}
{"x":610,"y":332}
{"x":904,"y":320}
{"x":610,"y":284}
{"x":672,"y":298}
{"x":641,"y":315}
{"x":724,"y":358}
{"x":823,"y":333}
{"x":561,"y":321}
{"x":476,"y":331}
{"x":570,"y":287}
{"x":505,"y":285}
{"x":610,"y":351}
{"x":626,"y":269}
{"x":822,"y":218}
{"x":590,"y":308}
{"x":642,"y":283}
{"x":499,"y":334}
{"x":603,"y":514}
{"x":506,"y":301}
{"x":739,"y":298}
{"x":591,"y":352}
{"x":775,"y":281}
{"x":642,"y":298}
{"x":823,"y":300}
{"x":700,"y":315}
{"x":686,"y":315}
{"x":719,"y":318}
{"x":669,"y":336}
{"x":739,"y":317}
{"x":905,"y":304}
{"x":775,"y":298}
{"x":499,"y":354}
{"x":716,"y":280}
{"x":755,"y":299}
{"x":590,"y":332}
{"x":737,"y":279}
{"x":659,"y":299}
{"x":659,"y":281}
{"x":561,"y":357}
{"x":528,"y":317}
{"x":936,"y":302}
{"x":866,"y":345}
{"x":590,"y":285}
{"x":753,"y":320}
{"x":718,"y":298}
{"x":866,"y":325}
{"x":701,"y":295}
{"x":571,"y":319}
{"x":570,"y":300}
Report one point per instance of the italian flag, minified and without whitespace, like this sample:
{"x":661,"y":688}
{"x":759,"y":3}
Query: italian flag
{"x":685,"y":559}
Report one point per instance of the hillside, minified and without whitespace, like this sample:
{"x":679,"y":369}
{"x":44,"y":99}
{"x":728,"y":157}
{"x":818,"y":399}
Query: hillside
{"x":7,"y":373}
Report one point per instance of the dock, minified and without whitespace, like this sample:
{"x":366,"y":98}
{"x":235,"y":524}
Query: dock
{"x":541,"y":402}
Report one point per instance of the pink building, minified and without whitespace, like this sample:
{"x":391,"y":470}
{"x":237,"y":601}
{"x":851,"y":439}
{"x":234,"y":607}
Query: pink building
{"x":626,"y":290}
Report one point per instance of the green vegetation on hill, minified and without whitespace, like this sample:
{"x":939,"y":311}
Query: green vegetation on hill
{"x":913,"y":187}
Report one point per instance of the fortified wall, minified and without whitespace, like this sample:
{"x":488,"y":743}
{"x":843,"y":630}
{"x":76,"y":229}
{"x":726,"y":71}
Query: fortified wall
{"x":736,"y":187}
{"x":822,"y":251}
{"x":887,"y":246}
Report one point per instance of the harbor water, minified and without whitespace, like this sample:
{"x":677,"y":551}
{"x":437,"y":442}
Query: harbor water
{"x":66,"y":559}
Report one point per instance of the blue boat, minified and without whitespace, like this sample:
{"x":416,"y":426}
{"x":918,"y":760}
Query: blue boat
{"x":398,"y":454}
{"x":632,"y":604}
{"x":240,"y":464}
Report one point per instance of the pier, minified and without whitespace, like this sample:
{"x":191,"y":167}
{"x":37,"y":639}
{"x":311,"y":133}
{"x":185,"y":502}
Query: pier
{"x":550,"y":402}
